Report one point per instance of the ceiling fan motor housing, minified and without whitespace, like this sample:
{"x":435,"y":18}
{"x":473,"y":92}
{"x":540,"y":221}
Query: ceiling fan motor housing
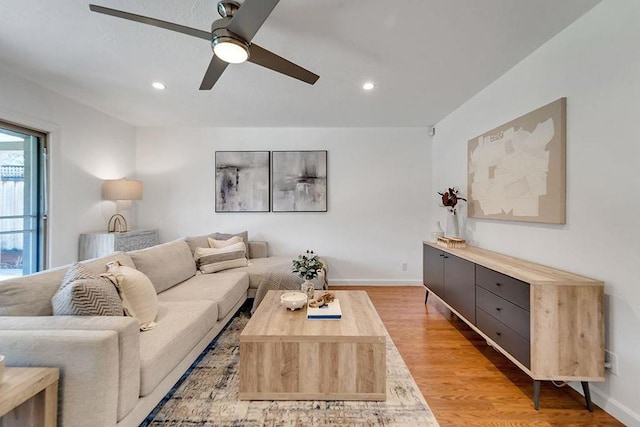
{"x":227,"y":8}
{"x":220,"y":34}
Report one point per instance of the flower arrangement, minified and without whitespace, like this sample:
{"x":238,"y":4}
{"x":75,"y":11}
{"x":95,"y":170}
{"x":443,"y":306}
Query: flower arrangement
{"x":307,"y":265}
{"x":450,"y":199}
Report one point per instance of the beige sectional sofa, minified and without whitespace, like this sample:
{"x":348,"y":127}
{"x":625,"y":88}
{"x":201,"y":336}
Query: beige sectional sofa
{"x":111,"y":373}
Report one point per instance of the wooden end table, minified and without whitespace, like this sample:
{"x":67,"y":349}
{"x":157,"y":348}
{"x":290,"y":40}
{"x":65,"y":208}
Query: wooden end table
{"x":29,"y":397}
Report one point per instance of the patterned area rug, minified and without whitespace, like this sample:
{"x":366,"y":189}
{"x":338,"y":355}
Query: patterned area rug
{"x":207,"y":395}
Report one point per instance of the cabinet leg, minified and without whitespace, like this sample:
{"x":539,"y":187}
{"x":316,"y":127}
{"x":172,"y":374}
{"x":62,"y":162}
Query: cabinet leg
{"x":587,"y":395}
{"x":536,"y":394}
{"x":426,"y":297}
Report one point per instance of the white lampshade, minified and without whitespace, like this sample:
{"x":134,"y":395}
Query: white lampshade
{"x":122,"y":189}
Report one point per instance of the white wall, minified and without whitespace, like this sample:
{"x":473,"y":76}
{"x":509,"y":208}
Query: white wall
{"x":86,"y":146}
{"x":378,"y":191}
{"x":596,"y":65}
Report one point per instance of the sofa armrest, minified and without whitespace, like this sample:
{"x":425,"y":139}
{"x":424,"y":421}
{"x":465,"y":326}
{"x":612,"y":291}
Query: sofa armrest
{"x":88,"y":362}
{"x":258,"y":249}
{"x":127,"y":329}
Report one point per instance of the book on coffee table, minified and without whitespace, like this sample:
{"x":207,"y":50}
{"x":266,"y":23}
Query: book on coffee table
{"x":326,"y":312}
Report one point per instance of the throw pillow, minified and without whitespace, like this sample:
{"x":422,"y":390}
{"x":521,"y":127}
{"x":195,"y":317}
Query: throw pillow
{"x":219,"y":244}
{"x":139,"y":297}
{"x":83,"y":293}
{"x":211,"y":260}
{"x":225,"y":236}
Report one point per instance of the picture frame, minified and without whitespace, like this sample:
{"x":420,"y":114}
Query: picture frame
{"x":517,"y":171}
{"x":242,"y":181}
{"x":299,"y":181}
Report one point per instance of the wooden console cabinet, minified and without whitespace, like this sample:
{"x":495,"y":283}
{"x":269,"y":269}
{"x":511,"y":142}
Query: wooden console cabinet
{"x":549,"y":322}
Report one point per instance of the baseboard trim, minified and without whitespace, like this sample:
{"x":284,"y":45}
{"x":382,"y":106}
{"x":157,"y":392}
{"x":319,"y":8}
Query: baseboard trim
{"x":611,"y":406}
{"x":374,"y":282}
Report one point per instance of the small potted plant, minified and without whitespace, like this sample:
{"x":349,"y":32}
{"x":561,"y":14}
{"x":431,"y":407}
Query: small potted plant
{"x":307,"y":266}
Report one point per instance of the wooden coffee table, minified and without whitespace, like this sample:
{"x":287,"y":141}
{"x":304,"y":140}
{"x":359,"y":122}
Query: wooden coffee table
{"x":284,"y":356}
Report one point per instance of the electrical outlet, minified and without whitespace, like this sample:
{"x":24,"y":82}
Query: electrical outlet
{"x":611,"y":362}
{"x":404,"y":266}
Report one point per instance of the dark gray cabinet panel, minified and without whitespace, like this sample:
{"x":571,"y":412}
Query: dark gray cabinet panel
{"x":505,"y":337}
{"x":508,"y":313}
{"x":433,"y":270}
{"x":460,"y":286}
{"x":507,"y":287}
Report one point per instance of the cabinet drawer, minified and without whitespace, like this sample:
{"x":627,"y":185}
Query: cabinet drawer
{"x":513,"y":290}
{"x":504,"y":311}
{"x":505,"y":337}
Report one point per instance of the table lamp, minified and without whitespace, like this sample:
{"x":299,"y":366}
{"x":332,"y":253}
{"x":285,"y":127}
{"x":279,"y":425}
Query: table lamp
{"x":123,"y":191}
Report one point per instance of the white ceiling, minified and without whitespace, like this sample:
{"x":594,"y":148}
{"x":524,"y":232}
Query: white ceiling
{"x":426,"y":57}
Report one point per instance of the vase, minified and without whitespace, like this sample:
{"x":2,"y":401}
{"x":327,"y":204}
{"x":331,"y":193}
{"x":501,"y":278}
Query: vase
{"x":437,"y":231}
{"x":453,"y":228}
{"x":308,"y":289}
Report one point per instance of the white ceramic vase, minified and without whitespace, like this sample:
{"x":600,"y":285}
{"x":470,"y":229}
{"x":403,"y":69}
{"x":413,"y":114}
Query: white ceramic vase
{"x":453,"y":227}
{"x":308,"y":289}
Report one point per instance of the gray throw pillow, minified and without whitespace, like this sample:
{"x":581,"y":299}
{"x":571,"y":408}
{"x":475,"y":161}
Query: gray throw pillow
{"x":82,"y":293}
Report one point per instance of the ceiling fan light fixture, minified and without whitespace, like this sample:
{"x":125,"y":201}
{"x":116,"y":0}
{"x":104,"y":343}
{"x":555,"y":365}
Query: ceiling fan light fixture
{"x":230,"y":50}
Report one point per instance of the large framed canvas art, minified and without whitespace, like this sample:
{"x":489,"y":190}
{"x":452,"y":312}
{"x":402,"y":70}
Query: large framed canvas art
{"x":299,"y":181}
{"x":242,"y":181}
{"x":517,"y":171}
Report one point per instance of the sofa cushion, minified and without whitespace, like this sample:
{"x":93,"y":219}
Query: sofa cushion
{"x":165,"y":265}
{"x":138,"y":295}
{"x":226,"y":289}
{"x":181,"y":325}
{"x":211,"y":260}
{"x":82,"y":293}
{"x":30,"y":295}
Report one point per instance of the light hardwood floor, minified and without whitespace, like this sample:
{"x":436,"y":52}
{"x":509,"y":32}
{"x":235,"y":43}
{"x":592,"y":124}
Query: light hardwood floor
{"x":465,"y":381}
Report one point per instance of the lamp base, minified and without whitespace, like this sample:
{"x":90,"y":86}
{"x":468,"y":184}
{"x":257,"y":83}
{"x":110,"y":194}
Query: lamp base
{"x":117,"y":224}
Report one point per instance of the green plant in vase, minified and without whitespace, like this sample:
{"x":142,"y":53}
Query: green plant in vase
{"x":307,"y":266}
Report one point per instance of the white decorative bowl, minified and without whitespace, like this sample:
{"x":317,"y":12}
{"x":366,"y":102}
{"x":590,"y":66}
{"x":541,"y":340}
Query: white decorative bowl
{"x":293,"y":300}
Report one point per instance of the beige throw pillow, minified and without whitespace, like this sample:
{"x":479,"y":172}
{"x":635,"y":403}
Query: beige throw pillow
{"x":211,"y":260}
{"x":139,"y":297}
{"x":219,"y":244}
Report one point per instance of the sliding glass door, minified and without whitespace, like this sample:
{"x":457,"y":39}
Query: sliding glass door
{"x":22,"y":200}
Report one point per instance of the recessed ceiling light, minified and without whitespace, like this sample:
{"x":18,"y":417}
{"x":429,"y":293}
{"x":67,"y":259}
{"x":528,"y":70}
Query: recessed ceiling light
{"x":158,"y":85}
{"x":368,"y":86}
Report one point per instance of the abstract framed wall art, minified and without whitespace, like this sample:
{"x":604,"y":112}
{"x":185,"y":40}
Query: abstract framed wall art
{"x":517,"y":171}
{"x":242,"y":181}
{"x":299,"y":181}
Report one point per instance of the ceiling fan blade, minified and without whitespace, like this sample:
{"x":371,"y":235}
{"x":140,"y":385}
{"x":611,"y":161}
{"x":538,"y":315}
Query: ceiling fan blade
{"x":152,"y":21}
{"x":213,"y":73}
{"x":250,"y":16}
{"x":270,"y":60}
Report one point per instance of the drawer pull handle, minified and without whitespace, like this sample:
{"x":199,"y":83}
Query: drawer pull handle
{"x":498,"y":308}
{"x":498,"y":284}
{"x":441,"y":255}
{"x":499,"y":334}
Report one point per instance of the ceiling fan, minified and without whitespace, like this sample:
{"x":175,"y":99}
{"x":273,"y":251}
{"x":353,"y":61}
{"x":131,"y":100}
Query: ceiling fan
{"x":230,"y":38}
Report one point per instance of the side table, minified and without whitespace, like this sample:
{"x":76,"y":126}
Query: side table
{"x":29,"y":397}
{"x":100,"y":243}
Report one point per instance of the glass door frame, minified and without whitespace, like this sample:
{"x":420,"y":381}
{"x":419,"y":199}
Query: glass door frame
{"x":38,"y":213}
